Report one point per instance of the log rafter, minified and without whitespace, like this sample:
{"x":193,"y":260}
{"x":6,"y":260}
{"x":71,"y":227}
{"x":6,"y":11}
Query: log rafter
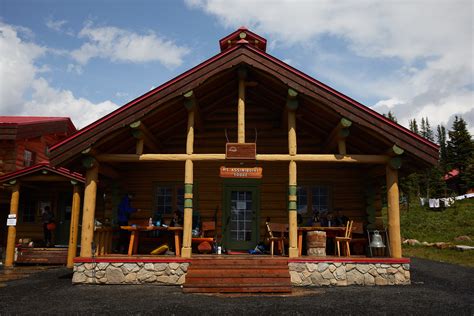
{"x":338,"y":137}
{"x":141,"y":132}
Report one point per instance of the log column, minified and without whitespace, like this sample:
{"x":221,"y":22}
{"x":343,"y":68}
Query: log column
{"x":393,"y":212}
{"x":88,"y":211}
{"x":241,"y":105}
{"x":292,"y":105}
{"x":190,"y":104}
{"x":74,"y":226}
{"x":10,"y":252}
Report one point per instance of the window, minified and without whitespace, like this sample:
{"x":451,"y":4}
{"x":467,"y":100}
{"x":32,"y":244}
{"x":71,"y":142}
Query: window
{"x":168,"y":198}
{"x":312,"y":199}
{"x":28,"y":158}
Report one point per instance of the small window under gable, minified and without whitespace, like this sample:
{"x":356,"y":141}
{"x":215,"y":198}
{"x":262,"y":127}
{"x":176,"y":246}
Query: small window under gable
{"x":28,"y":158}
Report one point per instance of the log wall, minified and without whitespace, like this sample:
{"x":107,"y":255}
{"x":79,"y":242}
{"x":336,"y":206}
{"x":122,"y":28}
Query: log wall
{"x":346,"y":187}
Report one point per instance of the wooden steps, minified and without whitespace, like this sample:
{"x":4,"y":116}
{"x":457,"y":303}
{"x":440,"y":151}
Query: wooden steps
{"x":42,"y":255}
{"x":227,"y":274}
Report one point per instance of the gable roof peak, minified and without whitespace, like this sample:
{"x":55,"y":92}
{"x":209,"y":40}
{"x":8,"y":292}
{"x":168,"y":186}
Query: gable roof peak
{"x":243,"y":36}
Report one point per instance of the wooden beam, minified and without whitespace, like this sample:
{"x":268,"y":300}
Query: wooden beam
{"x":394,"y":151}
{"x":11,"y":237}
{"x":191,"y":104}
{"x":292,"y":211}
{"x":188,"y":210}
{"x":242,"y":72}
{"x":109,"y":171}
{"x":88,"y":212}
{"x":48,"y":178}
{"x":150,"y":140}
{"x":371,"y":159}
{"x":338,"y":137}
{"x":292,"y":105}
{"x":74,"y":225}
{"x":393,"y":212}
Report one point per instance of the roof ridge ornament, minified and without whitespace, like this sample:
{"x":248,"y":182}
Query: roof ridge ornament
{"x":243,"y":36}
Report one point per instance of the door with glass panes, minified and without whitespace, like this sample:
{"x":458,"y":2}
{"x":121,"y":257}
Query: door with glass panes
{"x":241,"y":216}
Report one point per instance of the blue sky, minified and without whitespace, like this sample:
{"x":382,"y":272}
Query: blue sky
{"x":83,"y":59}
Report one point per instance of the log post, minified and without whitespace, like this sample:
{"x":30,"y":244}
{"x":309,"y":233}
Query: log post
{"x":241,"y":105}
{"x":74,"y":226}
{"x":393,"y":212}
{"x":186,"y":250}
{"x":292,"y":105}
{"x":88,"y":211}
{"x":10,"y":252}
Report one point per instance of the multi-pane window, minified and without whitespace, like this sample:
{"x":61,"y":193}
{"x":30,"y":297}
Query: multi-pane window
{"x":28,"y":158}
{"x":168,"y":198}
{"x":312,"y":200}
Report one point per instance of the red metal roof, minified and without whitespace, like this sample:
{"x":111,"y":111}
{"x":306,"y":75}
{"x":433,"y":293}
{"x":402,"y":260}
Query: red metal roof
{"x":24,"y":120}
{"x":39,"y":168}
{"x":267,"y":56}
{"x":451,"y":174}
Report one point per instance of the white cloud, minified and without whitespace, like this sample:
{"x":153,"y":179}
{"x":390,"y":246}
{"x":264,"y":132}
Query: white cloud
{"x":48,"y":101}
{"x":77,"y":69}
{"x":16,"y":67}
{"x":24,"y":92}
{"x":432,"y":40}
{"x":55,"y":25}
{"x":125,"y":46}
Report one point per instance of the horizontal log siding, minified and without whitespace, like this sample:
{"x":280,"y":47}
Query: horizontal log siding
{"x":346,"y":187}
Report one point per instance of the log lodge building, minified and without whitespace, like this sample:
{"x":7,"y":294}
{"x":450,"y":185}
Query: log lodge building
{"x":238,"y":139}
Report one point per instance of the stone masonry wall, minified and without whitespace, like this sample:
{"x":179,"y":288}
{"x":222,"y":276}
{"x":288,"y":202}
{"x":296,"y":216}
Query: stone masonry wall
{"x":343,"y":274}
{"x":168,"y":273}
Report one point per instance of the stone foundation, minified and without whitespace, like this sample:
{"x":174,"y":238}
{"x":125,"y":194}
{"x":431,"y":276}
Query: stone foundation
{"x":161,"y":273}
{"x":303,"y":272}
{"x":348,"y":273}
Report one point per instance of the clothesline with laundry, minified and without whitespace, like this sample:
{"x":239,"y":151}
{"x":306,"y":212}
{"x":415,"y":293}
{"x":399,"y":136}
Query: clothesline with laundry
{"x":444,"y":202}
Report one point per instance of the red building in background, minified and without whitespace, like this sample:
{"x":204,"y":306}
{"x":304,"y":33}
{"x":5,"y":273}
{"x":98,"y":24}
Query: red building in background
{"x":24,"y":142}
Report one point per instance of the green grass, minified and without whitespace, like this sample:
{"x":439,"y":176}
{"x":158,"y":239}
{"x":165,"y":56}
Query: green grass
{"x":424,"y":224}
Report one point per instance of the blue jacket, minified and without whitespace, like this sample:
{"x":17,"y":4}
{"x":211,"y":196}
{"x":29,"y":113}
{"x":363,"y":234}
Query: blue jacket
{"x":124,"y":210}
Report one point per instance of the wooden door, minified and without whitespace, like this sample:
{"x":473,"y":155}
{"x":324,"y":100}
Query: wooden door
{"x":241,"y":214}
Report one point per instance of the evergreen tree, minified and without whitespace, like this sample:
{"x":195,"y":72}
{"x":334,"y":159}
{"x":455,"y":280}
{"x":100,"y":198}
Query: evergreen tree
{"x":391,"y":116}
{"x":414,"y":126}
{"x":426,"y":130}
{"x":441,"y":136}
{"x":460,"y":152}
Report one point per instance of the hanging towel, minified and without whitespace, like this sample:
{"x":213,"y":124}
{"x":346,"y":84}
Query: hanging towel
{"x":431,"y":203}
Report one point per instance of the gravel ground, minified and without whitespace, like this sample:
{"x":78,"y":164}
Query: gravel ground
{"x":437,"y":288}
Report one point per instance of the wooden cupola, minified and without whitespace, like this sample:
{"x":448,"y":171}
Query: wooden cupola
{"x":242,"y":36}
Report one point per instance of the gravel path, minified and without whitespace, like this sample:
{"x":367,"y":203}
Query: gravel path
{"x":438,"y":289}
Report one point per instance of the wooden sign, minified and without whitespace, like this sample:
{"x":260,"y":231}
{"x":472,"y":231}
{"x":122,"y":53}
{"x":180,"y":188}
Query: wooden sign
{"x":241,"y":151}
{"x":247,"y":173}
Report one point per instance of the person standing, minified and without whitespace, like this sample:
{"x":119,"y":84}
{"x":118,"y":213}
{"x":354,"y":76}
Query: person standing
{"x":125,"y":209}
{"x":47,"y":217}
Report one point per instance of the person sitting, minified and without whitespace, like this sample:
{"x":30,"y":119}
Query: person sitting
{"x":340,"y":220}
{"x":177,"y":220}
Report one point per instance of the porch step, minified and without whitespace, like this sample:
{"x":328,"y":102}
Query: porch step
{"x":243,"y":275}
{"x":42,"y":255}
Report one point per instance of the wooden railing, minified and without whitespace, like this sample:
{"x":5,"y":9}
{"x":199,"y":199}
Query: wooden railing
{"x":103,"y":240}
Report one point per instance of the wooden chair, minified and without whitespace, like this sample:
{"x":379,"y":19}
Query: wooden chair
{"x":346,"y":239}
{"x":276,"y":233}
{"x":206,"y":239}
